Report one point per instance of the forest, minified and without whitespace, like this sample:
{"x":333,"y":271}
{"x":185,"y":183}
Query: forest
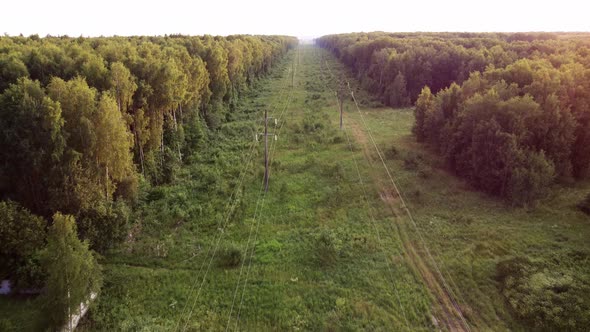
{"x":453,"y":196}
{"x":510,"y":113}
{"x":86,"y":122}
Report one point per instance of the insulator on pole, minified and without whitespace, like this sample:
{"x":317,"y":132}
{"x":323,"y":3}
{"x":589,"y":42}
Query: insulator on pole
{"x":276,"y":122}
{"x":256,"y":137}
{"x":276,"y":137}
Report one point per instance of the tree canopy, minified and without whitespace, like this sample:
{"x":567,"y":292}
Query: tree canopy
{"x":509,"y":112}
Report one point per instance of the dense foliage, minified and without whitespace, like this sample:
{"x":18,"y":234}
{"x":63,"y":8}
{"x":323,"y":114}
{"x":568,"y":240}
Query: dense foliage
{"x":82,"y":116}
{"x":85,"y":122}
{"x":547,"y":297}
{"x":73,"y":272}
{"x":510,"y":112}
{"x":23,"y":236}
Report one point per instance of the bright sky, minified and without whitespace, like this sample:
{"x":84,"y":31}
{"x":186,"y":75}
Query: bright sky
{"x":308,"y":18}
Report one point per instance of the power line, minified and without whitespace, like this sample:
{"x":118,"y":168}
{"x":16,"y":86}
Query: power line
{"x":273,"y":148}
{"x":377,"y":231}
{"x":450,"y":291}
{"x":407,"y":210}
{"x":223,"y":223}
{"x":369,"y":211}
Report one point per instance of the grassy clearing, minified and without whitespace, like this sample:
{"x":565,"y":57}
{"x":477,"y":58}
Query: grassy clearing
{"x":318,"y":263}
{"x":473,"y":236}
{"x":325,"y":258}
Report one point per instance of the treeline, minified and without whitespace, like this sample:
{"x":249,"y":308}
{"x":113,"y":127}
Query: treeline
{"x":510,"y":113}
{"x":84,"y":120}
{"x":396,"y":66}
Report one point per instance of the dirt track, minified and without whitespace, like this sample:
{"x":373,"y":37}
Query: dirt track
{"x":447,"y":312}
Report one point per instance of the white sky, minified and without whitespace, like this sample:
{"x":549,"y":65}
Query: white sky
{"x":297,"y":18}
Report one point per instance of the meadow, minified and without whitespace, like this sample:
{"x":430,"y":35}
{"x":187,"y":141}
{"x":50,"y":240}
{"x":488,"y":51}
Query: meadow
{"x":330,"y":246}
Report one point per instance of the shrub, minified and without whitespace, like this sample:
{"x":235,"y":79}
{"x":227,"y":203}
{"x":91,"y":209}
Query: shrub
{"x":327,"y":248}
{"x":103,"y":226}
{"x":267,"y":251}
{"x":128,"y":189}
{"x":424,"y":173}
{"x":22,"y":235}
{"x":171,"y":166}
{"x":585,"y":205}
{"x":6,"y":325}
{"x":230,"y":257}
{"x":551,"y":299}
{"x":337,"y":139}
{"x":156,"y":194}
{"x":412,"y":161}
{"x":530,"y":179}
{"x":391,"y":153}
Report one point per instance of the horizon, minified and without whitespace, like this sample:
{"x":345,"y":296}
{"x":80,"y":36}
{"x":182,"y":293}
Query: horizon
{"x":301,"y":38}
{"x":307,"y":19}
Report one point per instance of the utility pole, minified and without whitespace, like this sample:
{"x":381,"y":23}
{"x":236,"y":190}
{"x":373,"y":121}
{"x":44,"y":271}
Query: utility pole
{"x":266,"y":134}
{"x":340,"y":94}
{"x":293,"y":74}
{"x":265,"y":150}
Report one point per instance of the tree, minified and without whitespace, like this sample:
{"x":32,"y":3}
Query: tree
{"x":113,"y":144}
{"x":531,"y":176}
{"x":78,"y":104}
{"x":32,"y":141}
{"x":552,"y":131}
{"x":22,"y":235}
{"x":424,"y":103}
{"x":581,"y":149}
{"x":491,"y":154}
{"x":398,"y":95}
{"x":73,"y":272}
{"x":123,"y":86}
{"x":11,"y":69}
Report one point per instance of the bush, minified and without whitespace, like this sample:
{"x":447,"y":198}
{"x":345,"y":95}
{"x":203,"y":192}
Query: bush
{"x":6,"y":325}
{"x":22,"y":235}
{"x":230,"y":257}
{"x":104,"y":227}
{"x":391,"y":153}
{"x":156,"y":194}
{"x":585,"y":205}
{"x":327,"y":248}
{"x":413,"y":161}
{"x":552,"y":299}
{"x":530,"y":179}
{"x":337,"y":139}
{"x":128,"y":189}
{"x":424,"y":173}
{"x":171,"y":166}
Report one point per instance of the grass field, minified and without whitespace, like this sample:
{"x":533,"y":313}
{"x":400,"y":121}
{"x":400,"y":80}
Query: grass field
{"x":317,"y":264}
{"x":470,"y":233}
{"x":330,"y":246}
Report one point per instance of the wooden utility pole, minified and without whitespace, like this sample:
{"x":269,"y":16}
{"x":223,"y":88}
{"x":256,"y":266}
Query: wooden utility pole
{"x":293,"y":74}
{"x":340,"y":94}
{"x":265,"y":150}
{"x":266,"y":134}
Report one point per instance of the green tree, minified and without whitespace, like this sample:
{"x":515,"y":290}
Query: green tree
{"x":398,"y":94}
{"x":32,"y":141}
{"x":73,"y":272}
{"x":531,"y":177}
{"x":123,"y":86}
{"x":22,"y":235}
{"x":424,"y":103}
{"x":11,"y":69}
{"x":113,"y":144}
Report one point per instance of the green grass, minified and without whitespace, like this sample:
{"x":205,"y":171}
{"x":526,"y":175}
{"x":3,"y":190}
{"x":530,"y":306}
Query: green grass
{"x":314,"y":190}
{"x":324,"y":259}
{"x":469,"y":232}
{"x":20,"y":313}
